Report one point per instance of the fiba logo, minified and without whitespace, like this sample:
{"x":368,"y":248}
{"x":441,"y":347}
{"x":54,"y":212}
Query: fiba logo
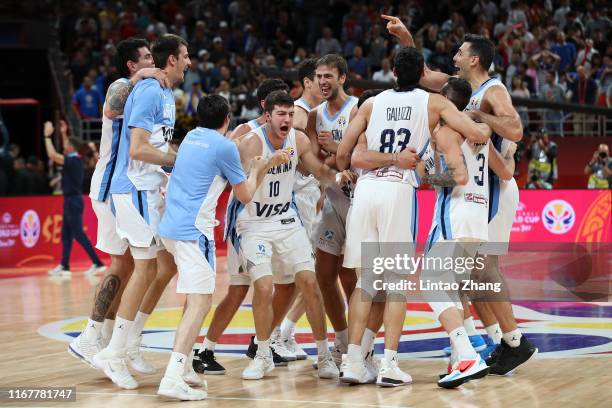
{"x":342,"y":121}
{"x":29,"y":228}
{"x":558,"y":216}
{"x":6,"y":217}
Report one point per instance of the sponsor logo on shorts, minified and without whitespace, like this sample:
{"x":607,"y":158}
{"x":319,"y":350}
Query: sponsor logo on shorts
{"x":328,"y":235}
{"x":558,"y":216}
{"x":288,"y":221}
{"x":29,"y":228}
{"x":261,"y":248}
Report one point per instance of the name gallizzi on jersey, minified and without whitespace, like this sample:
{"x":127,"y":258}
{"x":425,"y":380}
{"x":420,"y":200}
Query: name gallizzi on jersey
{"x":399,"y":113}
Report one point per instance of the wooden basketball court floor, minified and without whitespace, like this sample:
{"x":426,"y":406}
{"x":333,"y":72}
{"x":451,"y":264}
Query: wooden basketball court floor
{"x":39,"y":316}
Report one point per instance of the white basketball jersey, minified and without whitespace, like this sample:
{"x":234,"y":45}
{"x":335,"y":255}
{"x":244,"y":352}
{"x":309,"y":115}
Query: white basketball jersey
{"x":337,"y":125}
{"x":272,"y":207}
{"x":398,"y":120}
{"x":109,"y":144}
{"x":303,"y":104}
{"x":461,"y":212}
{"x":502,"y":145}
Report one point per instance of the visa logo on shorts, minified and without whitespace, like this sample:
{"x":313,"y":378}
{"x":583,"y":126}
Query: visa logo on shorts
{"x":268,"y":210}
{"x":475,"y":198}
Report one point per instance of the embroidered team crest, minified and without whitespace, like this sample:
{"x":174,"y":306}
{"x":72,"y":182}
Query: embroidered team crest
{"x":290,"y":150}
{"x":342,"y":121}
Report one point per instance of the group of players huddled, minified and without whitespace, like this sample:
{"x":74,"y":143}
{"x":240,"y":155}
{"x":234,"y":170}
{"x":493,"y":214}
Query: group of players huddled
{"x":327,"y":171}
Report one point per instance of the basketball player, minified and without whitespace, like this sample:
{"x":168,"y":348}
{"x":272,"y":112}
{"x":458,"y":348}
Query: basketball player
{"x":270,"y":225}
{"x":263,"y":90}
{"x":490,"y":104}
{"x":134,"y":62}
{"x":384,"y":207}
{"x":325,"y":128}
{"x":135,"y":187}
{"x":307,"y":194}
{"x":205,"y":163}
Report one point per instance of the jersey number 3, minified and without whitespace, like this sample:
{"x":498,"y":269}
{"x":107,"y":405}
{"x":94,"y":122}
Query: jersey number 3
{"x":387,"y":140}
{"x":479,"y":178}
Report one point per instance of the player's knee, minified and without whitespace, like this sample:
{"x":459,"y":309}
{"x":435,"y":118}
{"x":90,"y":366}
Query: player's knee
{"x":264,"y":288}
{"x":198,"y":301}
{"x":308,"y":283}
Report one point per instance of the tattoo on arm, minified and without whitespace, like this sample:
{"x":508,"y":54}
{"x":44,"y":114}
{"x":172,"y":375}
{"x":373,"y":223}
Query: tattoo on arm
{"x":445,"y":179}
{"x":105,"y":296}
{"x":118,"y":94}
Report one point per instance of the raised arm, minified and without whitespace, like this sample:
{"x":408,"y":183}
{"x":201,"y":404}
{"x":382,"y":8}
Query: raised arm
{"x":357,"y":125}
{"x":448,"y":143}
{"x":505,"y":120}
{"x":118,"y":92}
{"x":48,"y":131}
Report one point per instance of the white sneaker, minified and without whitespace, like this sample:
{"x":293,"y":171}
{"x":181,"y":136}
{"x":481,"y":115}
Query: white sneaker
{"x":136,"y":360}
{"x":258,"y":367}
{"x":172,"y":387}
{"x":84,"y":349}
{"x":59,"y":270}
{"x":190,"y":376}
{"x":354,"y":372}
{"x":294,"y":347}
{"x":95,"y":270}
{"x":279,"y":348}
{"x":114,"y":367}
{"x":372,"y":365}
{"x":326,"y":366}
{"x":390,"y":374}
{"x":337,"y":351}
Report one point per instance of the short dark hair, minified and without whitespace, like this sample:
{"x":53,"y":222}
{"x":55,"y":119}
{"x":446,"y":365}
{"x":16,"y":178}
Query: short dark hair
{"x":306,"y":69}
{"x":458,"y":91}
{"x":76,"y":142}
{"x":409,"y":65}
{"x":335,"y":61}
{"x":127,"y":50}
{"x":164,"y":46}
{"x":481,"y":47}
{"x":212,"y":111}
{"x":268,"y":86}
{"x":367,"y":94}
{"x":277,"y":98}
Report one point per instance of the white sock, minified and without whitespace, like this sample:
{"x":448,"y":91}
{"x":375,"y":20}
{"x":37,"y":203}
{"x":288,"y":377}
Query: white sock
{"x":354,"y":352}
{"x":208,"y":344}
{"x":513,"y":338}
{"x":470,"y":327}
{"x":176,"y":365}
{"x":342,"y":337}
{"x":92,"y":330}
{"x":263,"y":347}
{"x":390,"y":355}
{"x":276,"y":333}
{"x":494,"y":333}
{"x":119,"y":338}
{"x":322,"y":347}
{"x":461,"y":343}
{"x":139,"y":323}
{"x":367,"y":341}
{"x":107,"y":328}
{"x":287,"y":328}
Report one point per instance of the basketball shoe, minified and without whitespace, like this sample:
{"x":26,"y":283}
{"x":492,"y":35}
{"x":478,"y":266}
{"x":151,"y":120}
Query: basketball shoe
{"x":204,"y":362}
{"x":512,"y":357}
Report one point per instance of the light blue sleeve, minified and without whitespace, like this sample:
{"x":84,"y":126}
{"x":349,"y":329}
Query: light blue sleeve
{"x":145,"y":107}
{"x":228,"y":161}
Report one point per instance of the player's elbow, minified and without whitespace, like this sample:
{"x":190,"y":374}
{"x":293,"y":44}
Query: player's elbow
{"x":136,"y":153}
{"x":516,"y":132}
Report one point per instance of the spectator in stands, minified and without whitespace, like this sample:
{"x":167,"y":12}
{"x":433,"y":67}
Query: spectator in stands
{"x":385,"y":74}
{"x":376,"y":46}
{"x":327,"y":44}
{"x":565,"y":50}
{"x":194,"y":74}
{"x":585,"y":55}
{"x":599,"y":169}
{"x":72,"y":186}
{"x":192,"y":98}
{"x":552,"y":92}
{"x":28,"y":181}
{"x":358,"y":65}
{"x":543,"y":155}
{"x":582,"y":91}
{"x":519,"y":89}
{"x":87,"y":101}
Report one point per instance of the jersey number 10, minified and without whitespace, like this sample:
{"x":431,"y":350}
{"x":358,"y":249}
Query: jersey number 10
{"x":387,"y":140}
